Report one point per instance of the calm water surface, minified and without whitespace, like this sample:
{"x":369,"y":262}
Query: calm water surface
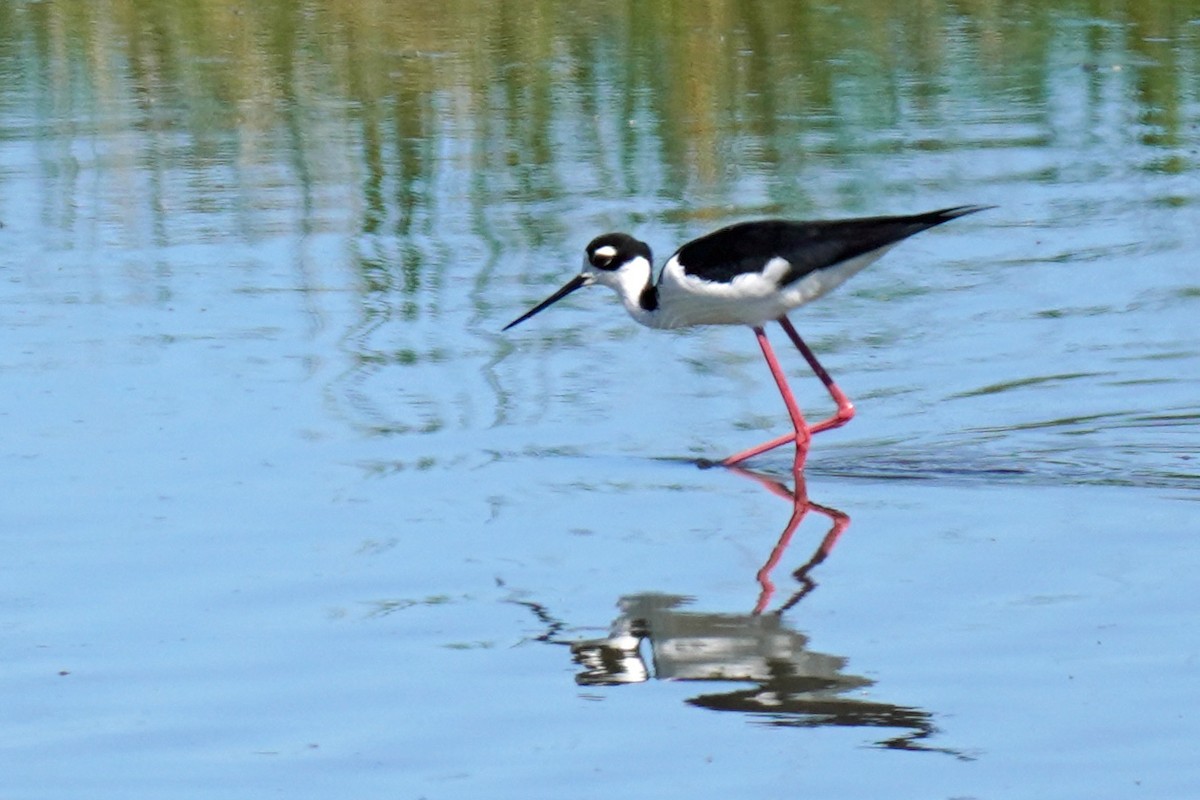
{"x":284,"y":513}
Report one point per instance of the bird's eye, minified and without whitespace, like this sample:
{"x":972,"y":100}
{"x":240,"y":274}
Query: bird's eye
{"x":603,"y":257}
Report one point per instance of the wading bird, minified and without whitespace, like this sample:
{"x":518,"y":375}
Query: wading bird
{"x":749,"y":274}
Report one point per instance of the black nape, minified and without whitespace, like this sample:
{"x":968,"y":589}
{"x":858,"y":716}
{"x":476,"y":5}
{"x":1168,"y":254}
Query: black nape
{"x":649,"y":298}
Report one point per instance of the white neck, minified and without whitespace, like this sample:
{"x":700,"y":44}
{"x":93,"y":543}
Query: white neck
{"x":629,"y":282}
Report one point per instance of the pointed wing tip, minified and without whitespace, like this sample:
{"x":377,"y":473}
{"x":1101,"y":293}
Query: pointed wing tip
{"x":961,"y":211}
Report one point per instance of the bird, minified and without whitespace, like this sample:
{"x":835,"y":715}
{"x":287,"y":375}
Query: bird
{"x":750,"y":273}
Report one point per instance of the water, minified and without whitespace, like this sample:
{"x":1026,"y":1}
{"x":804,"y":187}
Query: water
{"x":285,"y":513}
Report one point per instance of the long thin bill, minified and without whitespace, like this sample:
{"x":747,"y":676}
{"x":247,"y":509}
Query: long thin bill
{"x":578,"y":282}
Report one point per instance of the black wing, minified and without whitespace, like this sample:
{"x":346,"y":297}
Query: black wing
{"x":808,"y":246}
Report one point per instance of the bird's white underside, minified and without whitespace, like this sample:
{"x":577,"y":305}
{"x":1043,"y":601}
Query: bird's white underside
{"x":751,"y":299}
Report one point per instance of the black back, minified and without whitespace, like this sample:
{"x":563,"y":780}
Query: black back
{"x":808,"y":246}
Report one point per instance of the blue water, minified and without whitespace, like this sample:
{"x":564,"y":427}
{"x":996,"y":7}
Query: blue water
{"x":285,"y":513}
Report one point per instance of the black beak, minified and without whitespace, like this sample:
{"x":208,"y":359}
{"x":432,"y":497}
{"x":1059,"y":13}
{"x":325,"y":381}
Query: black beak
{"x":578,"y":282}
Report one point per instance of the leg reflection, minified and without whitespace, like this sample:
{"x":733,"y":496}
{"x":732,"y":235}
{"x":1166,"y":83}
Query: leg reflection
{"x":801,"y":505}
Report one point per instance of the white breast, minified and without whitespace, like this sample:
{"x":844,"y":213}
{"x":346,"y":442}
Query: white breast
{"x":753,"y":298}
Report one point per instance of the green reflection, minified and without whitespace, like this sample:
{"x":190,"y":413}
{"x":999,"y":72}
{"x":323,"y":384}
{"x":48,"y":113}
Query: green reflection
{"x":672,"y":100}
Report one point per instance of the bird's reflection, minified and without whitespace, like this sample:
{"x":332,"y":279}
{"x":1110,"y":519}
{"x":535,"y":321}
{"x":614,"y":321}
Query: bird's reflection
{"x":655,"y":637}
{"x":791,"y":685}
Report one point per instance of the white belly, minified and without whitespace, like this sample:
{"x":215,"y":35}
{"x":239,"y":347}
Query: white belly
{"x":750,"y":299}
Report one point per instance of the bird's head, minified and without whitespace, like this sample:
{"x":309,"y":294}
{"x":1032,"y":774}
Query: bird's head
{"x":615,"y":260}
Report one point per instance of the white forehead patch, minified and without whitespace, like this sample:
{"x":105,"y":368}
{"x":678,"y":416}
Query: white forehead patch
{"x":608,"y":251}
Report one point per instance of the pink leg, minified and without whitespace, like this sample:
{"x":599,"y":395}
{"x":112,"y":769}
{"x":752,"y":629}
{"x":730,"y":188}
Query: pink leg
{"x":845,"y":409}
{"x":800,"y":434}
{"x":758,"y":450}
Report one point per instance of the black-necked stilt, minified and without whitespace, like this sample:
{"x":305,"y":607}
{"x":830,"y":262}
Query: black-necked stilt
{"x":749,"y":274}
